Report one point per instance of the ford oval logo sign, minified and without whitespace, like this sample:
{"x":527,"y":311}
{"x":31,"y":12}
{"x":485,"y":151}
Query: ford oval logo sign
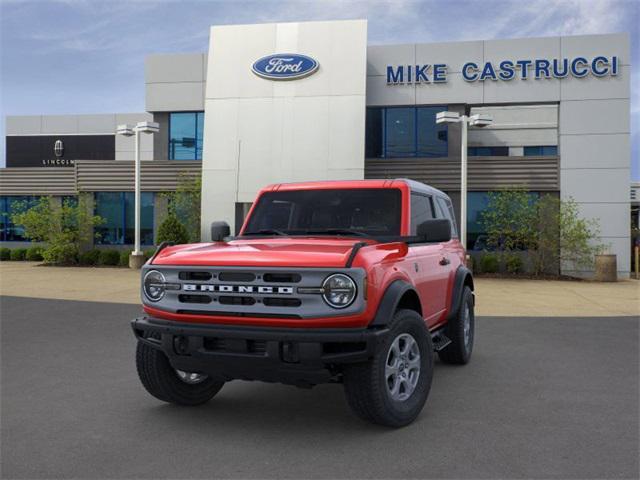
{"x":285,"y":66}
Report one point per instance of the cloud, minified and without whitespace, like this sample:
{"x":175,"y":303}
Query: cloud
{"x":66,"y":56}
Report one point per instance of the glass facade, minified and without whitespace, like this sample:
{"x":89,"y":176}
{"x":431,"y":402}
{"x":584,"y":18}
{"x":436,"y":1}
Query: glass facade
{"x":117,"y":209}
{"x":541,"y":151}
{"x":9,"y":232}
{"x":405,"y":132}
{"x":185,"y":135}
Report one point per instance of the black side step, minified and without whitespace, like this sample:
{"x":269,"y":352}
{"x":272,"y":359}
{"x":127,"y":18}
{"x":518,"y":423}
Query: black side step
{"x":439,"y":340}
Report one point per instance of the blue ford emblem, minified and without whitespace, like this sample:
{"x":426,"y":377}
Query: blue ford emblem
{"x":284,"y":66}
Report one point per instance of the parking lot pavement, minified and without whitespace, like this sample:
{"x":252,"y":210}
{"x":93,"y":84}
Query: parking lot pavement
{"x":541,"y":398}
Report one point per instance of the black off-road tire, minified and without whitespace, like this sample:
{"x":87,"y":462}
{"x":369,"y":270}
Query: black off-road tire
{"x":459,"y":351}
{"x":365,"y":383}
{"x":162,"y":381}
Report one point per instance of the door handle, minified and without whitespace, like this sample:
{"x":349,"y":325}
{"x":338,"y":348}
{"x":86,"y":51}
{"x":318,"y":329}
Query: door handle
{"x":444,"y":261}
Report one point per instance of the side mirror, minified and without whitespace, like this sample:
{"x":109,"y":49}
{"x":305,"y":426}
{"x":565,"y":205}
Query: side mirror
{"x":436,"y":230}
{"x":219,"y":230}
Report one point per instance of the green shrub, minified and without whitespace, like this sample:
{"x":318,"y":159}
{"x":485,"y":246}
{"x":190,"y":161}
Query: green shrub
{"x":489,"y":263}
{"x":513,"y":263}
{"x":34,"y":254}
{"x":18,"y":254}
{"x":61,"y":254}
{"x":90,"y":257}
{"x":148,"y":253}
{"x":5,"y":254}
{"x":64,"y":228}
{"x":124,"y":258}
{"x":109,"y":257}
{"x":171,"y":230}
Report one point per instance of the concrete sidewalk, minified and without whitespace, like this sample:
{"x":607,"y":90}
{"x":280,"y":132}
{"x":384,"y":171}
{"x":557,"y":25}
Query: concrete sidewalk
{"x":495,"y":297}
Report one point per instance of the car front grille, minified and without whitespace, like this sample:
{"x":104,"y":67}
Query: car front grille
{"x":235,"y":291}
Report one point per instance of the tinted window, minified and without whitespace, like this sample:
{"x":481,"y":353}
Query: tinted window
{"x":400,"y":132}
{"x":446,"y":210}
{"x":369,"y":211}
{"x":488,"y":151}
{"x":421,"y":210}
{"x":373,"y":137}
{"x":432,"y":137}
{"x":9,"y":206}
{"x":541,"y":151}
{"x":117,"y":209}
{"x":405,"y":132}
{"x":185,"y":135}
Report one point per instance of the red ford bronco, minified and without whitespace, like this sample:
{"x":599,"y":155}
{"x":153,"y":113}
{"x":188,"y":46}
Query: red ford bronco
{"x":353,"y":282}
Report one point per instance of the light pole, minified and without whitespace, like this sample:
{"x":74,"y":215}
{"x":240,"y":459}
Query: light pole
{"x":136,"y":259}
{"x":477,"y":120}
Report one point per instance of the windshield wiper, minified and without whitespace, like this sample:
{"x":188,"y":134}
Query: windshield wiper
{"x":267,"y":231}
{"x":336,"y":231}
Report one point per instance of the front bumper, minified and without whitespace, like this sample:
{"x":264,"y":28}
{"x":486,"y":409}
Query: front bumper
{"x":272,"y":354}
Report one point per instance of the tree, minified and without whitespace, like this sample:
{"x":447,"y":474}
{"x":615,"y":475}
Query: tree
{"x":509,"y":219}
{"x":171,"y":230}
{"x":63,"y":227}
{"x":184,"y":203}
{"x":551,"y":229}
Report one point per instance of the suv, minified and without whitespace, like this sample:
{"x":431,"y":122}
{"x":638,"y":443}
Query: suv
{"x":353,"y":282}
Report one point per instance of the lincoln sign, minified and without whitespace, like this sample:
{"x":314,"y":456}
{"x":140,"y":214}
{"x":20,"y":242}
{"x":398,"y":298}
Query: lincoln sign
{"x":506,"y":70}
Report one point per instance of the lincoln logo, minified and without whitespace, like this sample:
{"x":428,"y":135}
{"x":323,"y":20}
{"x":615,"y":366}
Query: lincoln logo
{"x":58,"y":148}
{"x":192,"y":287}
{"x":285,"y":66}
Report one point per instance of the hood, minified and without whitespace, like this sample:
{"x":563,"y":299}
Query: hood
{"x":270,"y":252}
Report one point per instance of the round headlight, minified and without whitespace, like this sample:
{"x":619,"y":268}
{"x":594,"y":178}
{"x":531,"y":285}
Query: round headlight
{"x":153,"y":285}
{"x":339,"y":291}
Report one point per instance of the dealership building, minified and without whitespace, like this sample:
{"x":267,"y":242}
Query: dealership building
{"x":273,"y":103}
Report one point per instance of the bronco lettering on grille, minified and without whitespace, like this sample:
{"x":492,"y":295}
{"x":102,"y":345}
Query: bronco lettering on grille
{"x":192,"y":287}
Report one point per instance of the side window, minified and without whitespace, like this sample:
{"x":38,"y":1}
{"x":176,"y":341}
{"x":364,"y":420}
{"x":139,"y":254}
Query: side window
{"x":421,"y":210}
{"x":445,"y":210}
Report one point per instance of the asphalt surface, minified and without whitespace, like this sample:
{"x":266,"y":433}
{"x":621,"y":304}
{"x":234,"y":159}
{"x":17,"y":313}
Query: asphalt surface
{"x":541,"y":398}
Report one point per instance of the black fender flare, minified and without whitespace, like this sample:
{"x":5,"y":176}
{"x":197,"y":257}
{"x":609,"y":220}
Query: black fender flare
{"x":462,"y":276}
{"x":389,"y":303}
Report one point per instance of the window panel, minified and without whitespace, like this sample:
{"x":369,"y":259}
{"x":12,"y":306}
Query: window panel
{"x":541,"y":151}
{"x":109,"y":207}
{"x":405,"y":132}
{"x":374,"y":133}
{"x":185,"y":135}
{"x":199,"y":134}
{"x":447,"y":210}
{"x":432,"y":137}
{"x":10,"y":232}
{"x":421,"y":210}
{"x":118,"y":209}
{"x":488,"y":151}
{"x":400,"y":132}
{"x":146,"y":218}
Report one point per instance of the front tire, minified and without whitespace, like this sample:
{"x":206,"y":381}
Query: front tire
{"x":461,"y":332}
{"x":392,"y":387}
{"x":165,"y":383}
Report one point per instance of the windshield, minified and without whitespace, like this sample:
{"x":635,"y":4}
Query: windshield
{"x":374,"y":212}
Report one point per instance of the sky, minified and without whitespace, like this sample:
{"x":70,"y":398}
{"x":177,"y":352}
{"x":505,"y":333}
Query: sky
{"x":87,"y":56}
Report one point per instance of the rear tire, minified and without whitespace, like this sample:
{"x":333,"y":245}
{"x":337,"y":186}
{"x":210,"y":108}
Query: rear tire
{"x":163,"y":382}
{"x":461,"y":331}
{"x":377,"y":390}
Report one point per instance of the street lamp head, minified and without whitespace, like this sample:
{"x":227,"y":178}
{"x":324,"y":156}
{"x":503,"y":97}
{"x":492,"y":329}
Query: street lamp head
{"x":148,"y":127}
{"x":447,"y":117}
{"x":480,"y":120}
{"x":124,"y":129}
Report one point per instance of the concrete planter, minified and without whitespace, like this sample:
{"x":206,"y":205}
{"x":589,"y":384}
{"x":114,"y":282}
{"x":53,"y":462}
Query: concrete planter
{"x":606,"y":268}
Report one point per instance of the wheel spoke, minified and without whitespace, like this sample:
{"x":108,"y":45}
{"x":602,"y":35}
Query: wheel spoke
{"x":402,"y":368}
